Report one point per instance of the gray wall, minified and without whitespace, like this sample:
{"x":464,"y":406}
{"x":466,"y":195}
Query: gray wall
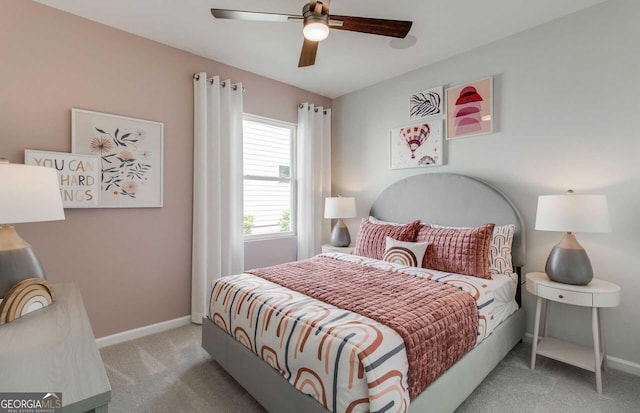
{"x":567,"y":99}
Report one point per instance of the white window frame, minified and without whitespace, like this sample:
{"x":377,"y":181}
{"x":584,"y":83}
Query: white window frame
{"x":292,"y":177}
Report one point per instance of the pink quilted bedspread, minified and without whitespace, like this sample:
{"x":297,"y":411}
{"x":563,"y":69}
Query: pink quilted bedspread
{"x":438,"y":322}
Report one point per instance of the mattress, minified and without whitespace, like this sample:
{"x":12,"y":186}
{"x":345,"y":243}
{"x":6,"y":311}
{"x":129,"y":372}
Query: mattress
{"x":304,"y":338}
{"x":504,"y":291}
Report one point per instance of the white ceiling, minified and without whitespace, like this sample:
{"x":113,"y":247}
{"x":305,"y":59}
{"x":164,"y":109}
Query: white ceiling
{"x":346,"y":61}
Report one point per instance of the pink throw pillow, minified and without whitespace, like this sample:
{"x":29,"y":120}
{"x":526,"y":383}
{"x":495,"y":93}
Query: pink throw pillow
{"x":460,"y":251}
{"x":371,"y":239}
{"x":500,"y":261}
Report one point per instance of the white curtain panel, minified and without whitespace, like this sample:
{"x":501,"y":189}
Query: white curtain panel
{"x":218,"y":240}
{"x":314,"y":177}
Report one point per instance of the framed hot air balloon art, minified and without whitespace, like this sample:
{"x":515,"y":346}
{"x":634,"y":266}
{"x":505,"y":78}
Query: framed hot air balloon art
{"x":470,"y":109}
{"x":417,"y":145}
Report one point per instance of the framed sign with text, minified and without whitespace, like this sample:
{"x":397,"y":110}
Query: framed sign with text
{"x":78,"y":176}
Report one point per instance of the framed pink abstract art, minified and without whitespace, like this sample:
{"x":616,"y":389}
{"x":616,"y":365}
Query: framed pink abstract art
{"x":470,"y":109}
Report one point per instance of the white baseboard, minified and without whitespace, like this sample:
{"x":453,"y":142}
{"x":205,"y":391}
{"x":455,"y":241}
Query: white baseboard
{"x":623,"y":365}
{"x":613,"y":362}
{"x":142,"y":331}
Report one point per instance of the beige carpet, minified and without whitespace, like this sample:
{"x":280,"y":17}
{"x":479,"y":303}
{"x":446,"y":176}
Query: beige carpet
{"x":170,"y":372}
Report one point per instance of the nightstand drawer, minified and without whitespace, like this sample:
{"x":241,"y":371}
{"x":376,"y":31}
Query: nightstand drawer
{"x":564,"y":296}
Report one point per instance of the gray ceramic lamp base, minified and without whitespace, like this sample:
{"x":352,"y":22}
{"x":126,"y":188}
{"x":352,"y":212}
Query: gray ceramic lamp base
{"x":17,"y":265}
{"x":17,"y":260}
{"x":340,"y":235}
{"x":568,"y":263}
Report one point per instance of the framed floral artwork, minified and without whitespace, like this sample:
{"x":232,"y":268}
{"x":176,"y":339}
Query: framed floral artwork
{"x":426,"y":103}
{"x":78,"y":176}
{"x":470,"y":109}
{"x":131,"y":156}
{"x":417,"y":145}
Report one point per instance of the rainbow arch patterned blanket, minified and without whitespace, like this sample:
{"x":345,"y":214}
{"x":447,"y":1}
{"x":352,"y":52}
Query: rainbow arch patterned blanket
{"x":355,"y":333}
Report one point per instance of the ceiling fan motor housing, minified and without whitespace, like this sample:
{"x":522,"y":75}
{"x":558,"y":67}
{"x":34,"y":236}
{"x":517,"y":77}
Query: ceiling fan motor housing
{"x":314,"y":16}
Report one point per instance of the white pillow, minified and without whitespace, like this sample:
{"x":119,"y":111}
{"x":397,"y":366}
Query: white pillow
{"x":375,"y":220}
{"x":410,"y":254}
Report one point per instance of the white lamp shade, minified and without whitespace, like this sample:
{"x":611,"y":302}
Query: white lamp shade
{"x":340,"y":207}
{"x":29,"y":194}
{"x":573,"y":213}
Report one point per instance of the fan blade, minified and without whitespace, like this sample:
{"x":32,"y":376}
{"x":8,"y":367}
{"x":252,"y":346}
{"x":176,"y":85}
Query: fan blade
{"x":382,"y":27}
{"x":254,"y":16}
{"x":308,"y":54}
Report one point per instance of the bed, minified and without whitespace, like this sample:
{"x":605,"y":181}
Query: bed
{"x":447,"y":199}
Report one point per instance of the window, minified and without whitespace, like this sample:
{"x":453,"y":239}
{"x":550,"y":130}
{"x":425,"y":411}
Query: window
{"x":269,"y":181}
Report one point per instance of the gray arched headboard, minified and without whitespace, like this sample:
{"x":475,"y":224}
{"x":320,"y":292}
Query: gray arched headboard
{"x":450,"y":199}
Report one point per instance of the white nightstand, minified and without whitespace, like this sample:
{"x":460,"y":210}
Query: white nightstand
{"x":597,"y":295}
{"x":331,"y":248}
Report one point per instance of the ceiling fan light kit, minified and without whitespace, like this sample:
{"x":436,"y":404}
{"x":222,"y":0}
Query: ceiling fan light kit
{"x":317,"y":22}
{"x":315,"y":31}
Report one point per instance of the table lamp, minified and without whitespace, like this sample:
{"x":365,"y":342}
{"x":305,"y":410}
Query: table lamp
{"x":27,"y":194}
{"x":339,"y":207}
{"x":568,"y":262}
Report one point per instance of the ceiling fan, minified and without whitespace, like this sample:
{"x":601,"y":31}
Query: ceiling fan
{"x":317,"y":21}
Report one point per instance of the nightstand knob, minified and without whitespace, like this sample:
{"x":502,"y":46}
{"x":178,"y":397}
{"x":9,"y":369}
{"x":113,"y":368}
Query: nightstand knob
{"x":560,"y":296}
